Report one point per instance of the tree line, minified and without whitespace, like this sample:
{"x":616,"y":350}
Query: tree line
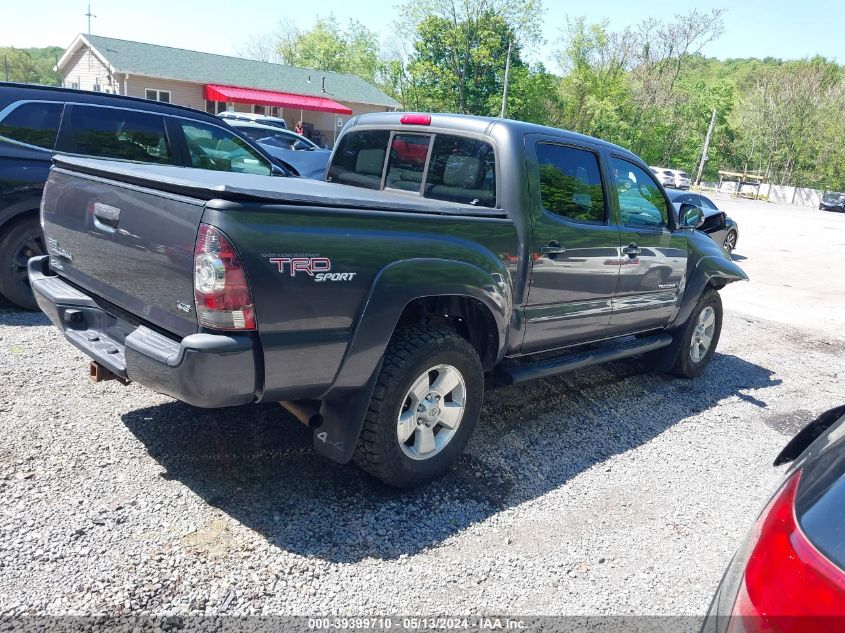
{"x":647,"y":87}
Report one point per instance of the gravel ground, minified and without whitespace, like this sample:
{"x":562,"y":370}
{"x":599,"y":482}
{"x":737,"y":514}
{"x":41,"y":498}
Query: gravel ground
{"x":613,"y":491}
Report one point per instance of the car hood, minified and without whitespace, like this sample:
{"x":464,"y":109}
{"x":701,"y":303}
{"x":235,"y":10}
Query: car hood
{"x":309,"y":163}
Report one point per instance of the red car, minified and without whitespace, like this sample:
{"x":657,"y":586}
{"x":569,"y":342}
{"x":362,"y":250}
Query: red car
{"x":789,"y":574}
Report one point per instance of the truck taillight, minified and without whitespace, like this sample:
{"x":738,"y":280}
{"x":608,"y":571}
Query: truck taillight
{"x":221,"y":291}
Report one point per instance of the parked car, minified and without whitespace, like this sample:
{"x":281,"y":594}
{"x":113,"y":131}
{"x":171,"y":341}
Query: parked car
{"x":671,"y":178}
{"x":38,"y":121}
{"x":373,"y":304}
{"x":789,"y":573}
{"x":832,"y":201}
{"x":263,"y":119}
{"x":297,"y":152}
{"x":717,"y":224}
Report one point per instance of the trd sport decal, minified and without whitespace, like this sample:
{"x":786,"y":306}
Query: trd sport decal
{"x":319,"y":268}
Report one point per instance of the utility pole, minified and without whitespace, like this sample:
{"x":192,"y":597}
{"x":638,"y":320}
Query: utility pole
{"x":507,"y":80}
{"x":89,"y":15}
{"x":706,"y":145}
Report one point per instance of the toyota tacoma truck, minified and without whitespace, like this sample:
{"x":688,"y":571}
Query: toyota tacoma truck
{"x":438,"y":251}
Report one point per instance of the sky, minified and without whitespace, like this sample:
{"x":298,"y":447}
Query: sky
{"x":753,"y":28}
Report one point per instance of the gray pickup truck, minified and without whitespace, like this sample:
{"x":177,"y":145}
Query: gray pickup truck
{"x":439,"y":250}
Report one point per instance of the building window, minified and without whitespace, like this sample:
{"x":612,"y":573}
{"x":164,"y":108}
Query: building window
{"x":158,"y":95}
{"x":258,"y":109}
{"x":72,"y":84}
{"x":215,"y":107}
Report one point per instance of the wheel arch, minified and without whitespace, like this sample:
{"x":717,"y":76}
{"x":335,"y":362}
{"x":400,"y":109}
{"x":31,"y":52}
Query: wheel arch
{"x":446,"y":292}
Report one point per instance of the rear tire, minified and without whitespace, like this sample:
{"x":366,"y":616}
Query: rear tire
{"x":20,"y":241}
{"x":696,"y":343}
{"x":424,"y":407}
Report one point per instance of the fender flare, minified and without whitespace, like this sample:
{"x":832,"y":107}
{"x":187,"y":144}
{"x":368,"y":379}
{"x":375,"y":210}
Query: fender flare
{"x":345,"y":405}
{"x":709,"y":270}
{"x":402,"y":282}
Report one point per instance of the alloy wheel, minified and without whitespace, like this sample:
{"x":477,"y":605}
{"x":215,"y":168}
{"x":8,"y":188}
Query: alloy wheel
{"x":431,"y":412}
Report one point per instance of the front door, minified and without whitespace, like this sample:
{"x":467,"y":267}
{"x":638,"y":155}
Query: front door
{"x":574,"y":247}
{"x":653,"y":258}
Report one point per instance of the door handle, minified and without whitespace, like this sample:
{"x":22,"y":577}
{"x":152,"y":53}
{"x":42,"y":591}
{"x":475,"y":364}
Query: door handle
{"x":105,"y":214}
{"x":632,"y":250}
{"x":552,"y":248}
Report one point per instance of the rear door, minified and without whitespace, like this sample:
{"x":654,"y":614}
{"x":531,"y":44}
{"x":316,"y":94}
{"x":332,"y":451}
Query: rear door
{"x":575,"y":246}
{"x":130,"y":245}
{"x":653,"y":258}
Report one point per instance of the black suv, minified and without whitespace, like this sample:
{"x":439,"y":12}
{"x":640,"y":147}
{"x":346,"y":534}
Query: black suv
{"x":36,"y":121}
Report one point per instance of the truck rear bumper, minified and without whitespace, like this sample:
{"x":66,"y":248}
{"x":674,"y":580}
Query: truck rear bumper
{"x":205,"y":370}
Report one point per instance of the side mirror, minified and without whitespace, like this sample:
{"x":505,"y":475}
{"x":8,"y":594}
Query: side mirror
{"x":692,"y":216}
{"x":301,"y":145}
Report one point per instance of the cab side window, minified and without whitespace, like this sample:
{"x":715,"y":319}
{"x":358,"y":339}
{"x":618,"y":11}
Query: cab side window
{"x":33,"y":123}
{"x":212,"y":147}
{"x":359,"y":159}
{"x":641,"y":202}
{"x":570,"y":183}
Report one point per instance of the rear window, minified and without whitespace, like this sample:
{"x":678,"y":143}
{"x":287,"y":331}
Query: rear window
{"x":462,"y":170}
{"x":33,"y":123}
{"x":454,"y":168}
{"x":115,"y":133}
{"x":359,"y":159}
{"x":570,"y":183}
{"x":406,"y":166}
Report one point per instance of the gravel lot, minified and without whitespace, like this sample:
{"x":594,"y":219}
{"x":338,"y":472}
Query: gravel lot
{"x":613,"y":491}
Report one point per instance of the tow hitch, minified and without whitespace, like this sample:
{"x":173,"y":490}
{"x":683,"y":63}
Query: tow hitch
{"x":98,"y":373}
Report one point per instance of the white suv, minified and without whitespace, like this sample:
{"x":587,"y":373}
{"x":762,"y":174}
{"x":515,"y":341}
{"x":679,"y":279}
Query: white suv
{"x":672,"y":178}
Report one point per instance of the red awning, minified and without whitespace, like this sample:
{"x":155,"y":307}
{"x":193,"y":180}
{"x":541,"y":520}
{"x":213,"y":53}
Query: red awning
{"x":266,"y":97}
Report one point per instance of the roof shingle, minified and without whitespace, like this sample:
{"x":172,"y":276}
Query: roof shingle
{"x":165,"y":62}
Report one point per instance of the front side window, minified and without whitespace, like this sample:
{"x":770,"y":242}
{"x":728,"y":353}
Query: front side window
{"x":570,"y":183}
{"x":641,"y":202}
{"x":115,"y":133}
{"x":212,"y":147}
{"x":405,"y":168}
{"x":359,"y":159}
{"x":462,"y":170}
{"x":33,"y":123}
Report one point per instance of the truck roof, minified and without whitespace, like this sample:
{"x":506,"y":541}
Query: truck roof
{"x":484,"y":125}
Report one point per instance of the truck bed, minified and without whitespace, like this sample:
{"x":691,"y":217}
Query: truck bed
{"x":204,"y":184}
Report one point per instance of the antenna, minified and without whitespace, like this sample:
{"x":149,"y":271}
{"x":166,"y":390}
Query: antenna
{"x":89,"y":15}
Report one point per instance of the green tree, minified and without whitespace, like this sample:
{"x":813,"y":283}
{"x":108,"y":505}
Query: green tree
{"x":327,"y":46}
{"x":18,"y":65}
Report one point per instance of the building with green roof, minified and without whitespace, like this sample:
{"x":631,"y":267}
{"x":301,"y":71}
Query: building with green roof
{"x":206,"y":81}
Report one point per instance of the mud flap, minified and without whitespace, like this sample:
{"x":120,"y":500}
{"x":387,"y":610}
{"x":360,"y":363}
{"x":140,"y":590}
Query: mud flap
{"x":343,"y":420}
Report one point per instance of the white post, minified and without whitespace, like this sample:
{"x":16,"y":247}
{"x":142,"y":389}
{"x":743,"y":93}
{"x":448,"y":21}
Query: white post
{"x":507,"y":79}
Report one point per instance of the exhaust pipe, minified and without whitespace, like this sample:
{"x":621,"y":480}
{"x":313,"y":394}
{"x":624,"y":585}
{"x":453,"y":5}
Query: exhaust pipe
{"x":98,"y":373}
{"x":306,"y":411}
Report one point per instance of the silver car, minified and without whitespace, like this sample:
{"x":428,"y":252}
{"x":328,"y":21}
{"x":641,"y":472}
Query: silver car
{"x":294,"y":150}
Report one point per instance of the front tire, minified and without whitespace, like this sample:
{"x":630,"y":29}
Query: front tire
{"x":424,"y":407}
{"x":696,"y":342}
{"x":21,"y":241}
{"x":730,"y":241}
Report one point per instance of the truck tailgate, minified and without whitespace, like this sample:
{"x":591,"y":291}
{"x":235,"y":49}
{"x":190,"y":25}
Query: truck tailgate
{"x":130,"y":245}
